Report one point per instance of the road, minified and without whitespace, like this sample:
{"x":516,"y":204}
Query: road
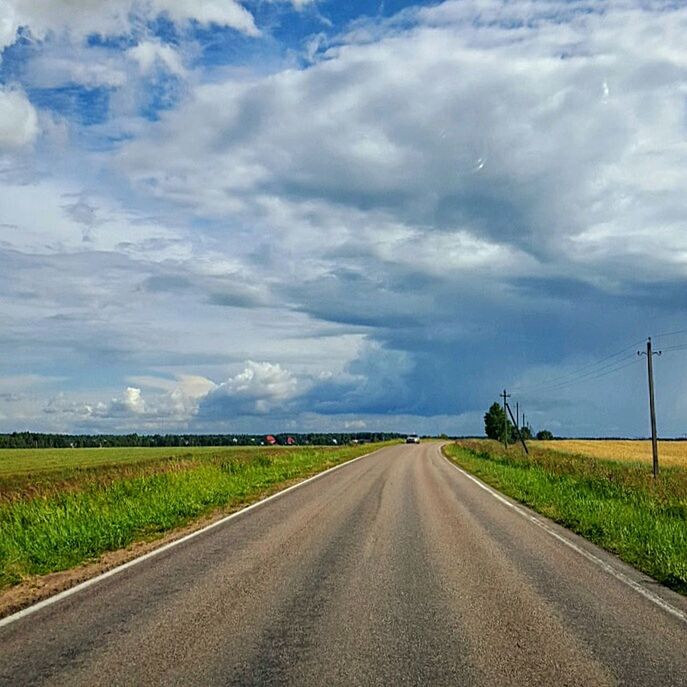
{"x":394,"y":570}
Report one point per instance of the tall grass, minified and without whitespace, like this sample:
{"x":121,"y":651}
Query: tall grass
{"x":618,"y":506}
{"x":59,"y":528}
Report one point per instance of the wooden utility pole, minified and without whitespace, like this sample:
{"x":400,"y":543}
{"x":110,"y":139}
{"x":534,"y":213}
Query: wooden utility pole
{"x":649,"y":353}
{"x":517,"y":430}
{"x":505,"y":418}
{"x":517,"y":415}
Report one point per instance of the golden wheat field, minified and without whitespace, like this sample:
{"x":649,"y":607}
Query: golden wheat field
{"x":670,"y":452}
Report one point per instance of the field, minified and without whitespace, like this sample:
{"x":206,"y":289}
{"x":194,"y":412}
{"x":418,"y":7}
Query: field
{"x":670,"y":452}
{"x":30,"y":461}
{"x":61,"y":508}
{"x":614,"y":503}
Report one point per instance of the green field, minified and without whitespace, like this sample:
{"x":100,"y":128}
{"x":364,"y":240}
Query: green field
{"x":615,"y":504}
{"x":62,"y":507}
{"x":15,"y":461}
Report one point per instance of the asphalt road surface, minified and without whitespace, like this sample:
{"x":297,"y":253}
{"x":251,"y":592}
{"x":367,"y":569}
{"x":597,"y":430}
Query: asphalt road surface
{"x":394,"y":570}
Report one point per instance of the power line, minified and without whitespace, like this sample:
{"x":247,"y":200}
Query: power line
{"x":589,"y":376}
{"x":679,"y":347}
{"x":591,"y":367}
{"x":594,"y":373}
{"x":679,"y":331}
{"x":610,"y":364}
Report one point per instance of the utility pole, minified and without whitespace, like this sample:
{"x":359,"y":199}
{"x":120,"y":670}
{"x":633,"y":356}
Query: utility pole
{"x":517,"y":415}
{"x":505,"y":418}
{"x":517,"y":430}
{"x":649,"y":353}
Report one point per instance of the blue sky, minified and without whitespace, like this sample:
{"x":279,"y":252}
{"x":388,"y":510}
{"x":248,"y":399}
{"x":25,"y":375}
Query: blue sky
{"x":291,"y":215}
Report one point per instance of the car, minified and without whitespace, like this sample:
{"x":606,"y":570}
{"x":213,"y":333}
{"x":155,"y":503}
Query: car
{"x":412,"y":439}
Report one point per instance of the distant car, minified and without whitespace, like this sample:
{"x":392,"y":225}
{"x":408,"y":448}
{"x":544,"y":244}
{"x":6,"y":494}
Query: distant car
{"x":412,"y":439}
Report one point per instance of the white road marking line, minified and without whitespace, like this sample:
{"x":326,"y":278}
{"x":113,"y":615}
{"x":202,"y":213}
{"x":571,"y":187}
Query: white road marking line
{"x":622,"y":577}
{"x":135,"y":561}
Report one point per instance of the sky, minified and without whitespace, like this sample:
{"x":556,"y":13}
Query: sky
{"x":311,"y":215}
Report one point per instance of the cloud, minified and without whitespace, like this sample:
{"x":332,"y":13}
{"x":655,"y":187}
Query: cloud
{"x":260,"y":388}
{"x":70,"y":409}
{"x":57,"y":223}
{"x":195,"y":386}
{"x":257,"y":390}
{"x":71,"y":65}
{"x":117,"y":17}
{"x":296,"y":4}
{"x":148,"y":54}
{"x":376,"y":384}
{"x":19,"y":383}
{"x":355,"y":425}
{"x":300,"y":4}
{"x":18,"y":120}
{"x":130,"y":402}
{"x":180,"y":399}
{"x":221,"y":12}
{"x":176,"y":406}
{"x":523,"y":144}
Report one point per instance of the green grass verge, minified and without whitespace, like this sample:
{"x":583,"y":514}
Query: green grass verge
{"x":80,"y":514}
{"x":616,"y":505}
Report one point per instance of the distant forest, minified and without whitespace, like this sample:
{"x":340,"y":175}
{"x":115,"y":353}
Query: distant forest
{"x":38,"y":440}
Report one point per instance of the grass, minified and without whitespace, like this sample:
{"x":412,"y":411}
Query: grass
{"x":615,"y":504}
{"x":671,"y":453}
{"x":14,"y":461}
{"x":73,"y":510}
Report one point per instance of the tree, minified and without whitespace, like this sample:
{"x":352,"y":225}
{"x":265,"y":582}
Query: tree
{"x":544,"y":435}
{"x":526,"y":433}
{"x":494,"y":423}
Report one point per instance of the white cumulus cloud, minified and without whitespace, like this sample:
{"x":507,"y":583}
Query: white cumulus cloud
{"x":259,"y":388}
{"x":148,"y":54}
{"x":18,"y":120}
{"x":222,"y":12}
{"x":131,"y":401}
{"x":80,"y":18}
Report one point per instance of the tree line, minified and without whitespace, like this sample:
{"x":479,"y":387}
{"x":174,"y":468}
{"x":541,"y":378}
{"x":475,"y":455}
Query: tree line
{"x":498,"y":426}
{"x":43,"y":440}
